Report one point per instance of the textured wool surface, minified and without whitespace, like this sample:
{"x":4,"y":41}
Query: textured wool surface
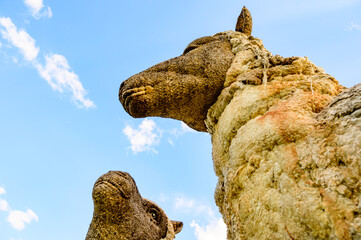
{"x":288,"y":167}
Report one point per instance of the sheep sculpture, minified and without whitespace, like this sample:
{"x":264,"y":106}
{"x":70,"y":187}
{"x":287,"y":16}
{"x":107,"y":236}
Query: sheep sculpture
{"x":120,"y":213}
{"x":286,"y":136}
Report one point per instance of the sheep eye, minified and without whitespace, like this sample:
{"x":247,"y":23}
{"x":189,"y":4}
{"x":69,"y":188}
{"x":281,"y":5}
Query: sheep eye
{"x":189,"y":48}
{"x":154,"y":214}
{"x":198,"y":42}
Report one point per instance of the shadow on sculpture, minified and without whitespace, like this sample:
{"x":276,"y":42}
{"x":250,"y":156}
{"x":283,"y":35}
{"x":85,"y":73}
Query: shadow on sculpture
{"x":286,"y":141}
{"x":120,"y":213}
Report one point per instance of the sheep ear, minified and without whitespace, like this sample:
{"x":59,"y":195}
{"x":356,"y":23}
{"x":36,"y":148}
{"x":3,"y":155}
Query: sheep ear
{"x":244,"y":22}
{"x":177,"y":226}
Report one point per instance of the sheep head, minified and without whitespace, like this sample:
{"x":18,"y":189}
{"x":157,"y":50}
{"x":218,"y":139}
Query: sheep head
{"x":121,"y":213}
{"x":184,"y":87}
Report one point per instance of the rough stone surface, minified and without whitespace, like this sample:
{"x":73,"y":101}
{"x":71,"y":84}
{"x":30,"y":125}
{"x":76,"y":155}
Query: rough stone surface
{"x":244,"y":22}
{"x":182,"y":88}
{"x":288,"y":167}
{"x":120,"y":213}
{"x":286,"y":141}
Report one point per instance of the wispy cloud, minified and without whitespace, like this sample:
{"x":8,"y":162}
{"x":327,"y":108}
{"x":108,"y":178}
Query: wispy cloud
{"x":145,"y":137}
{"x":185,"y":128}
{"x":56,"y":70}
{"x":214,"y":227}
{"x":4,"y":205}
{"x":38,"y":9}
{"x":182,"y":130}
{"x":16,"y":218}
{"x":215,"y":230}
{"x":19,"y":38}
{"x":186,"y":204}
{"x":353,"y":26}
{"x":148,"y":135}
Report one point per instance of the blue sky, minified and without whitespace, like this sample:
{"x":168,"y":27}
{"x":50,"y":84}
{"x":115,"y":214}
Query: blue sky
{"x":61,"y":125}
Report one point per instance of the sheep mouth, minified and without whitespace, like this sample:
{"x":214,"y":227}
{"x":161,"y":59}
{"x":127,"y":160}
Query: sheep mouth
{"x":116,"y":186}
{"x":128,"y":97}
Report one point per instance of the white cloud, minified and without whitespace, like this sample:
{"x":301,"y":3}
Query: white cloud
{"x":144,"y":138}
{"x":20,"y":39}
{"x":148,"y":135}
{"x":56,"y":72}
{"x":4,"y":205}
{"x":179,"y":131}
{"x":38,"y":9}
{"x":353,"y":26}
{"x":215,"y":230}
{"x":34,"y":5}
{"x":186,"y":204}
{"x":182,"y":130}
{"x":185,"y":128}
{"x":17,"y":218}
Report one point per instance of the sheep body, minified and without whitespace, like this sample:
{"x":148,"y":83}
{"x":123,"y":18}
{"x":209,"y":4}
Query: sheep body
{"x":285,"y":169}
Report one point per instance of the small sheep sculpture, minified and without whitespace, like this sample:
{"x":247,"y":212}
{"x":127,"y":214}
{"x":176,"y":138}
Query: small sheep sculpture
{"x":120,"y":213}
{"x":286,"y":142}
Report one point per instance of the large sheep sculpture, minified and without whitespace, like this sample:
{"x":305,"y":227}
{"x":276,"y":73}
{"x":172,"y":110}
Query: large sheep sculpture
{"x":120,"y":213}
{"x":286,"y":141}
